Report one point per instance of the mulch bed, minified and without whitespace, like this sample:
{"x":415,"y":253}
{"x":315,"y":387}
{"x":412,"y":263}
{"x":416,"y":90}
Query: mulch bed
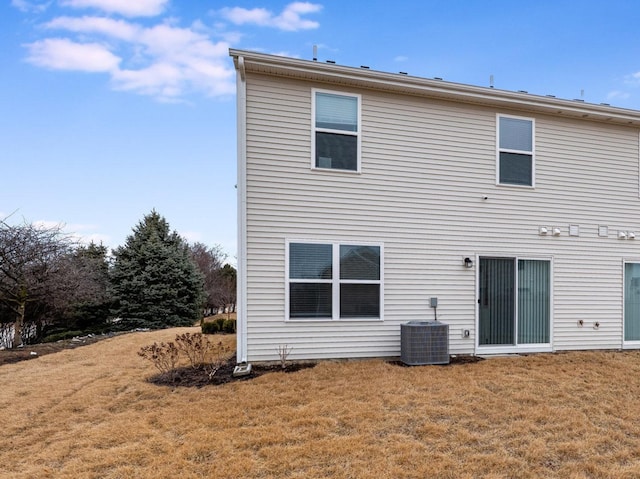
{"x":190,"y":377}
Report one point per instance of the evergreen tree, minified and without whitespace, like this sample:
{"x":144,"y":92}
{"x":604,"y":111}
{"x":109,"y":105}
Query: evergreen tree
{"x":91,"y":265}
{"x":154,"y":279}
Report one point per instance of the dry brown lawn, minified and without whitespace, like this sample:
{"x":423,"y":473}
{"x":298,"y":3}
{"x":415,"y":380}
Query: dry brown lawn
{"x":89,"y":413}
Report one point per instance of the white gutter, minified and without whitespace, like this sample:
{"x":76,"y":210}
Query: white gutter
{"x":241,"y":302}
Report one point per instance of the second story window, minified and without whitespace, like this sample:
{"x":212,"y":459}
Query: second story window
{"x":336,"y":135}
{"x":515,"y":151}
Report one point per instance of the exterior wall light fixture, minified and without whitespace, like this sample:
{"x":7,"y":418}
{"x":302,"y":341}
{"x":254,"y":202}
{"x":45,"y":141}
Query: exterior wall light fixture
{"x":468,"y":263}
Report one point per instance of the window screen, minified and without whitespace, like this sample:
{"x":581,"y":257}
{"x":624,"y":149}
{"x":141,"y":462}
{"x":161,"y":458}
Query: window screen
{"x":336,"y":131}
{"x":336,"y":112}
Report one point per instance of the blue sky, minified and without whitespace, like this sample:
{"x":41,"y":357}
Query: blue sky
{"x":110,"y":108}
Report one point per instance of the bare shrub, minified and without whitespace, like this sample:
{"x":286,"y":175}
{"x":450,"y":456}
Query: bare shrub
{"x":202,"y":354}
{"x":219,"y":354}
{"x":195,"y":347}
{"x":164,"y":356}
{"x":283,"y":353}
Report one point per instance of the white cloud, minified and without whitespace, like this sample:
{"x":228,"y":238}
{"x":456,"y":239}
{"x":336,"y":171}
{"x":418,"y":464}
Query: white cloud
{"x":85,"y":234}
{"x":97,"y":238}
{"x":632,"y":79}
{"x":179,"y":60}
{"x":47,"y":224}
{"x":167,"y":61}
{"x":114,"y":28}
{"x":240,"y":16}
{"x":30,"y":7}
{"x":159,"y":79}
{"x":400,"y":58}
{"x":81,"y":233}
{"x":128,"y":8}
{"x":290,"y":19}
{"x":617,"y":95}
{"x":64,"y":54}
{"x":164,"y":60}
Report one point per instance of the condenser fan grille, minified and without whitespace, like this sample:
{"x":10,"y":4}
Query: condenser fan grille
{"x":424,"y":342}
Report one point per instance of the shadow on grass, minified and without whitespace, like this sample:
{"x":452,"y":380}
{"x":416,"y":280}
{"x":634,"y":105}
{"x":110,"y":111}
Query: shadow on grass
{"x":453,"y":360}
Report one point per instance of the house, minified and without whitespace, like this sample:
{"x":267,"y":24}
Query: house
{"x":363,"y":194}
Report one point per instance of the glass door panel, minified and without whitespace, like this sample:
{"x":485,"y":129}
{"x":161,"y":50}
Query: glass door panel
{"x":632,"y":302}
{"x":534,"y":302}
{"x":497,"y":302}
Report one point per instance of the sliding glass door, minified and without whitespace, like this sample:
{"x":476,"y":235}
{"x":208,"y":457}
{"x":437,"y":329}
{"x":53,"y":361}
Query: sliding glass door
{"x":514,"y":302}
{"x":632,"y":302}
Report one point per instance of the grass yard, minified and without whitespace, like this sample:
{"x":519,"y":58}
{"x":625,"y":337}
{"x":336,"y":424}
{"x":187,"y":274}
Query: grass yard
{"x":90,"y":413}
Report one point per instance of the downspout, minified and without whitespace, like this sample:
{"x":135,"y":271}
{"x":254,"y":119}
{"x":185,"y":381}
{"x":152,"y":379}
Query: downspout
{"x":241,"y":110}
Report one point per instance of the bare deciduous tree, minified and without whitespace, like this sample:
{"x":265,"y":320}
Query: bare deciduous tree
{"x":45,"y":278}
{"x":224,"y":293}
{"x":209,"y":261}
{"x":31,"y":268}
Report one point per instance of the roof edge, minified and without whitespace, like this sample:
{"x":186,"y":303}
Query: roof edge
{"x":434,"y":88}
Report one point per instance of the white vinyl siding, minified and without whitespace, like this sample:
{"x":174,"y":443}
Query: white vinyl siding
{"x":428,"y":166}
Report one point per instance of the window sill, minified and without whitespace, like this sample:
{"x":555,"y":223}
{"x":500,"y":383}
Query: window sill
{"x":520,"y":187}
{"x":329,"y":320}
{"x":335,"y":170}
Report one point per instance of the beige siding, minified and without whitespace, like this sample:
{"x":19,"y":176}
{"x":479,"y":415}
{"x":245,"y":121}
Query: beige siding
{"x":426,"y":166}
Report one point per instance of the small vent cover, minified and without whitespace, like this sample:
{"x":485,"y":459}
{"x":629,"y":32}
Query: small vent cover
{"x":424,"y":342}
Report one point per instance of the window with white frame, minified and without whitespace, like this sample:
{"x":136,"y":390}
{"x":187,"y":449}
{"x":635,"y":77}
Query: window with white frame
{"x":336,"y":131}
{"x":515,"y":151}
{"x":334,"y":281}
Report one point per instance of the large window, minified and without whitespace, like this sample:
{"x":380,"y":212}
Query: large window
{"x":515,"y":151}
{"x":336,"y":128}
{"x":334,"y":281}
